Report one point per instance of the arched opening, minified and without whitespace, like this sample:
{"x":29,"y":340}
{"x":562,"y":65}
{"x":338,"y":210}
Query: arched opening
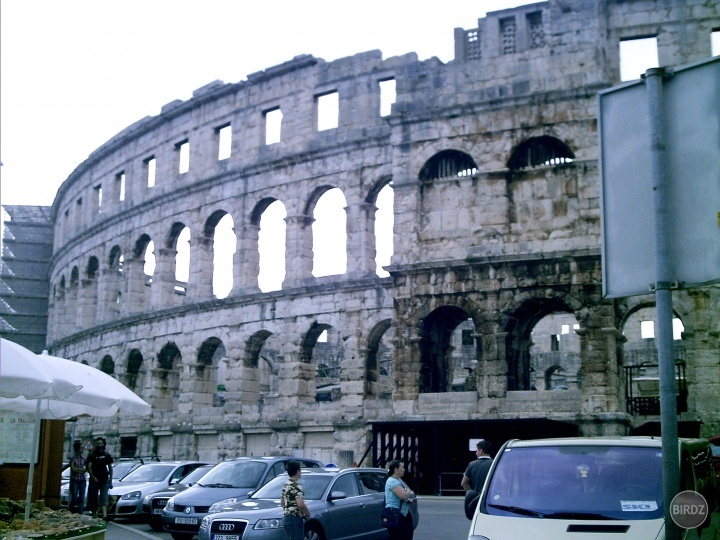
{"x":379,"y":366}
{"x":540,"y":151}
{"x":133,"y":370}
{"x":179,"y":241}
{"x":262,"y":353}
{"x":384,"y":223}
{"x":224,"y":247}
{"x":448,"y":164}
{"x":323,"y":348}
{"x":107,"y":365}
{"x":443,"y":361}
{"x":211,"y":370}
{"x":522,"y":369}
{"x":92,"y":267}
{"x":330,"y":234}
{"x":555,"y":353}
{"x":169,"y":357}
{"x":641,"y":364}
{"x":271,"y":247}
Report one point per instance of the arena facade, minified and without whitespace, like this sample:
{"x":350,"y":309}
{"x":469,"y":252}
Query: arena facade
{"x":489,"y":322}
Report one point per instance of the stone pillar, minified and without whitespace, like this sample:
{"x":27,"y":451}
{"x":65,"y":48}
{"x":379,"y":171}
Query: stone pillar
{"x":599,"y":370}
{"x":246,"y":260}
{"x":162,"y":294}
{"x":71,"y":309}
{"x":134,"y":299}
{"x":296,"y":385}
{"x":361,"y":239}
{"x":299,"y":254}
{"x":53,"y":311}
{"x":702,"y":338}
{"x":406,"y":190}
{"x":108,"y":291}
{"x":200,"y":283}
{"x":87,"y":303}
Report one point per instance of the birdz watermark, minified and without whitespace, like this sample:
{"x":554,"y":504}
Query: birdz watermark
{"x":689,"y":509}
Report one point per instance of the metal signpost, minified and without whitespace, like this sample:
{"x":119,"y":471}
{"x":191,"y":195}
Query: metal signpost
{"x":660,"y":198}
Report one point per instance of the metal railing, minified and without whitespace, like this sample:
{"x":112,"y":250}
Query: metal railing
{"x":450,"y":483}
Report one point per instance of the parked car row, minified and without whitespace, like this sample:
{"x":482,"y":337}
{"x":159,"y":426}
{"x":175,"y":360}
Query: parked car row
{"x":121,"y":468}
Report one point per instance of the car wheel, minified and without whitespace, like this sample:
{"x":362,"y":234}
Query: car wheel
{"x":314,"y":532}
{"x":182,"y":536}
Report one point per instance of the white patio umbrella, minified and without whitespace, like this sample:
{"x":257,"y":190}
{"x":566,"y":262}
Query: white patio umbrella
{"x":22,"y":373}
{"x":96,"y":394}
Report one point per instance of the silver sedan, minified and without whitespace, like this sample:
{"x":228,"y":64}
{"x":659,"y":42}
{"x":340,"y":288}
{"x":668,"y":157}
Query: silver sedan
{"x":344,"y":503}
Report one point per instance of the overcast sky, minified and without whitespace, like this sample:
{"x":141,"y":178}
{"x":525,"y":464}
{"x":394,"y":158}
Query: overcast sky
{"x":77,"y":72}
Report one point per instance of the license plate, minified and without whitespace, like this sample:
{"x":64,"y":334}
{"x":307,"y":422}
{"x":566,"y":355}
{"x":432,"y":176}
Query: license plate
{"x":157,"y":511}
{"x":225,"y":537}
{"x":186,"y":521}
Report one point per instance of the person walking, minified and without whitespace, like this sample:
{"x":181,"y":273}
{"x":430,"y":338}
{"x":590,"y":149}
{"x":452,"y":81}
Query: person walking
{"x":399,"y":495}
{"x":477,"y":470}
{"x":295,"y":511}
{"x":99,"y":465}
{"x":77,"y":479}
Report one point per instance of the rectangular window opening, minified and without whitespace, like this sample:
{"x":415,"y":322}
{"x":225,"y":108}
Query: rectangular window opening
{"x":151,"y":166}
{"x":508,"y":31}
{"x":647,"y":329}
{"x":554,"y":342}
{"x":183,"y":148}
{"x":387,"y":96}
{"x":120,"y":178}
{"x":637,"y":55}
{"x":98,"y":197}
{"x":224,"y":134}
{"x":273,"y":125}
{"x":535,"y":27}
{"x":715,"y":42}
{"x":328,"y":111}
{"x":473,"y":44}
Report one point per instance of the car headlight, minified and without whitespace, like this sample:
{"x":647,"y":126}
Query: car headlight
{"x":147,"y":498}
{"x":216,"y":507}
{"x":205,"y":523}
{"x":270,"y":523}
{"x":170,"y":506}
{"x":131,"y":496}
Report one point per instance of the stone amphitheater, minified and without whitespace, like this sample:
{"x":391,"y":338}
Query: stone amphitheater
{"x":489,"y":320}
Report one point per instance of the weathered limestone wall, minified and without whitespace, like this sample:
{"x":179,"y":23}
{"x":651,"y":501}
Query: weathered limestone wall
{"x":502,"y":246}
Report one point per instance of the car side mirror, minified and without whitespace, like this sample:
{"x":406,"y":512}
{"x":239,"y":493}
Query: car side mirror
{"x":174,"y":481}
{"x":335,"y":495}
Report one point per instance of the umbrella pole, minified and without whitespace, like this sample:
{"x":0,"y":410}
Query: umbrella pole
{"x":33,"y":457}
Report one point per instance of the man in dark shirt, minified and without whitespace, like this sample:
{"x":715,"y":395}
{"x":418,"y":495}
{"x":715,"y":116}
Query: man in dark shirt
{"x":99,"y":465}
{"x":476,"y":472}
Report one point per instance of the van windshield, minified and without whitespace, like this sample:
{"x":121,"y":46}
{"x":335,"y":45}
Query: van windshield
{"x":577,"y":482}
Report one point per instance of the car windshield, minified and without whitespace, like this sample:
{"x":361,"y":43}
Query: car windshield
{"x":314,"y":485}
{"x":151,"y":472}
{"x":122,"y":468}
{"x":576,"y":482}
{"x":236,"y":474}
{"x":196,"y":475}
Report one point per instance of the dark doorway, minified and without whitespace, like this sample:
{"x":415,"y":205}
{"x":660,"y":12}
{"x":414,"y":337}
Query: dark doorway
{"x":436,"y":454}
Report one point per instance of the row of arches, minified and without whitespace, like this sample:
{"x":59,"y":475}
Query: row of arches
{"x":543,"y":353}
{"x":324,"y":240}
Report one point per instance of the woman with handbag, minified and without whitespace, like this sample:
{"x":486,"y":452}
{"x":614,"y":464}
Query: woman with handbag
{"x":397,"y":498}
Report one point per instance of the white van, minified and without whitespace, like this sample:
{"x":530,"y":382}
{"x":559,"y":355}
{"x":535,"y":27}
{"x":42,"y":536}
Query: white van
{"x":588,"y":488}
